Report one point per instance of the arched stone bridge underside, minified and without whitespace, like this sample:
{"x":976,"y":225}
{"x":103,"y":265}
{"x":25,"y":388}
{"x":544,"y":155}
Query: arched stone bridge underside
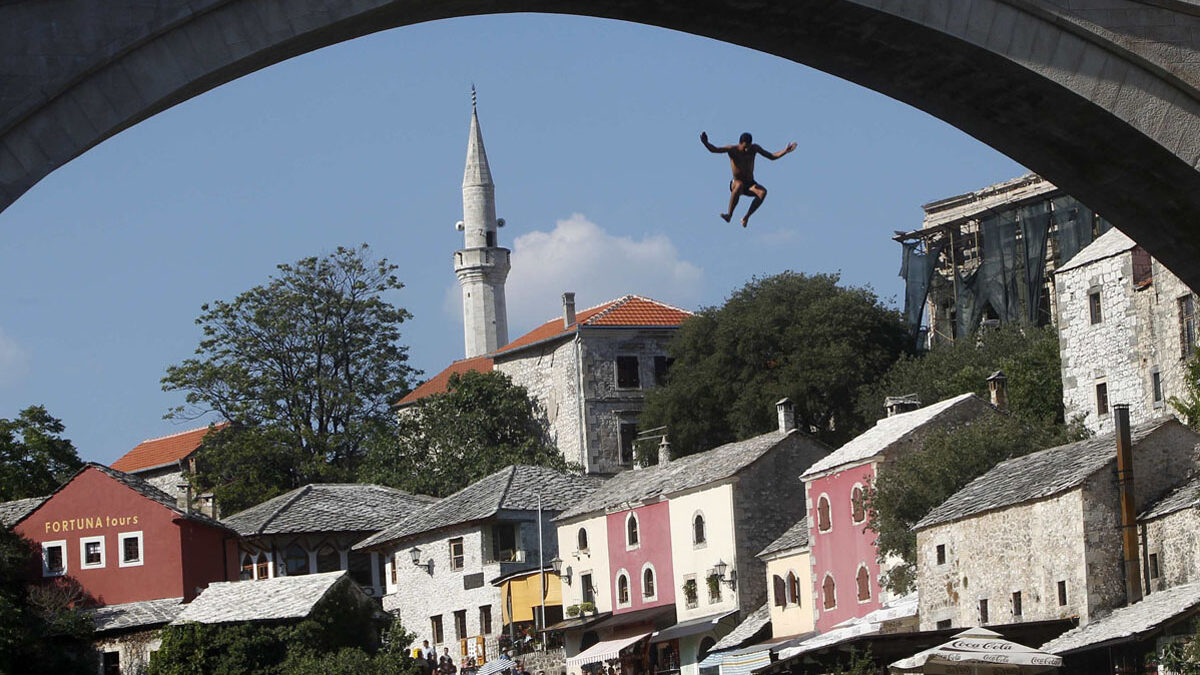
{"x":1102,"y":97}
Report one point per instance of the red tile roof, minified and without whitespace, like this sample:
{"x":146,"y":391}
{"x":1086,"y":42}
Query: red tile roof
{"x":159,"y":451}
{"x":438,"y":384}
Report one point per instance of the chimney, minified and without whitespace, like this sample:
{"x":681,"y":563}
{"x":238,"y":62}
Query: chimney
{"x":1129,"y":534}
{"x":786,"y":413}
{"x":664,"y":452}
{"x":568,"y":309}
{"x":184,"y":497}
{"x":998,"y":387}
{"x":901,"y":404}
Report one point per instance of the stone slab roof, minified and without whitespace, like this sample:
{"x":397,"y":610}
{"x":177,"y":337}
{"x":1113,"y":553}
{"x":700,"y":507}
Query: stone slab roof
{"x":128,"y":616}
{"x":1111,"y":243}
{"x":1130,"y":623}
{"x":887,"y":431}
{"x":11,"y":512}
{"x":745,"y":630}
{"x":330,"y":507}
{"x":156,"y":452}
{"x":795,"y":537}
{"x":278,"y":599}
{"x":680,"y":474}
{"x":1185,"y":496}
{"x":513,"y":488}
{"x":1036,"y":476}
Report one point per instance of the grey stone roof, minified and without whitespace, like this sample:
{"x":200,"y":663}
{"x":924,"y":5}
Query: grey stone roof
{"x":1035,"y":476}
{"x":278,"y":599}
{"x":887,"y":431}
{"x":332,"y":507}
{"x":1129,"y":623}
{"x":681,"y":474}
{"x":1106,"y":245}
{"x":746,"y":629}
{"x":1185,"y":496}
{"x":513,"y":488}
{"x":11,"y":512}
{"x":795,"y":537}
{"x":145,"y":614}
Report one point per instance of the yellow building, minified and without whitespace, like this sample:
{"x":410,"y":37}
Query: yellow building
{"x":789,"y":582}
{"x":521,"y":603}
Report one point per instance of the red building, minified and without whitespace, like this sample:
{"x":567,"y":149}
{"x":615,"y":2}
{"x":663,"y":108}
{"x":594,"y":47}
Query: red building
{"x":123,"y":540}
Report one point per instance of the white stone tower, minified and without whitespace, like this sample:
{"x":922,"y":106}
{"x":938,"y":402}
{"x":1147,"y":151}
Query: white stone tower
{"x":481,"y":265}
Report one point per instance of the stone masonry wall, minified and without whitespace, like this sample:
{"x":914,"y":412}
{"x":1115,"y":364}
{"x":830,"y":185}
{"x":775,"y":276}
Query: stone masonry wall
{"x":551,"y":375}
{"x":1175,"y":539}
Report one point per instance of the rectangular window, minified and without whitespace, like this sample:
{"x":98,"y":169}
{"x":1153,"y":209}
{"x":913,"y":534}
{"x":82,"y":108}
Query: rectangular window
{"x":460,"y":624}
{"x":1016,"y":597}
{"x":714,"y":588}
{"x":485,"y":619}
{"x":392,"y":572}
{"x":111,"y":663}
{"x":130,"y":544}
{"x":628,"y":434}
{"x":589,"y":593}
{"x":944,"y":624}
{"x":91,"y":553}
{"x":504,"y":542}
{"x":436,"y":625}
{"x":456,"y":554}
{"x":983,"y":611}
{"x":1062,"y":594}
{"x":1156,"y":388}
{"x":264,"y":569}
{"x":941,"y":554}
{"x":1143,"y":269}
{"x":1187,"y":325}
{"x":1153,"y":565}
{"x":1094,"y":306}
{"x":662,"y":369}
{"x":627,"y":372}
{"x":54,"y":558}
{"x":1102,"y":399}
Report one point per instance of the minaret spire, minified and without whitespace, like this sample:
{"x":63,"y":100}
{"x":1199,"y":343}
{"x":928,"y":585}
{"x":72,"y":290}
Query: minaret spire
{"x":482,"y":266}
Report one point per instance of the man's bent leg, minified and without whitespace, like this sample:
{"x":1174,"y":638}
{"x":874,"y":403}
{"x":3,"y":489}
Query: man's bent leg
{"x":735,"y":192}
{"x":760,"y":193}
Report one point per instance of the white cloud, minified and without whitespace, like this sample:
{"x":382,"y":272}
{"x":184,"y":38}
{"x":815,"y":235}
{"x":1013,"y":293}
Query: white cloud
{"x":14,"y":361}
{"x":579,"y":255}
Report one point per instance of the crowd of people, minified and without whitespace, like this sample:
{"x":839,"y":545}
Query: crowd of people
{"x":434,"y":664}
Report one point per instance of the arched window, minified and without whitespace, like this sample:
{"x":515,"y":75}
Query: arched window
{"x":824,"y":523}
{"x":622,"y":589}
{"x":863,"y":581}
{"x":780,"y":587}
{"x":582,"y":537}
{"x":648,"y":583}
{"x":793,"y":583}
{"x":631,"y":530}
{"x":829,"y":592}
{"x":328,"y":559}
{"x":858,"y":508}
{"x":296,"y":560}
{"x":698,"y":536}
{"x":247,"y":567}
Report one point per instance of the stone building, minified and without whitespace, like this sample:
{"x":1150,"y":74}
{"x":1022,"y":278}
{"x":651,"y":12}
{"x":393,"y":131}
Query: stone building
{"x":441,"y":559}
{"x":1170,"y":530}
{"x":312,"y":529}
{"x":989,"y":255}
{"x":1038,"y":537}
{"x":166,"y":463}
{"x":680,"y":537}
{"x":845,"y":562}
{"x":1126,"y":326}
{"x":124,"y":636}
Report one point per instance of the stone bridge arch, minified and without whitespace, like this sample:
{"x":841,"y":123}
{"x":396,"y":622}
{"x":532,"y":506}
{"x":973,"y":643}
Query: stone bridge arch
{"x":1102,"y":97}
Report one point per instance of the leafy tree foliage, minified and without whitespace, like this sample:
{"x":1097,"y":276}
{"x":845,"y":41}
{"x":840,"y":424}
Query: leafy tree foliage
{"x":445,"y":442}
{"x":34,"y":457}
{"x":795,"y":335}
{"x":1188,"y":405}
{"x":1182,"y":657}
{"x":304,"y":367}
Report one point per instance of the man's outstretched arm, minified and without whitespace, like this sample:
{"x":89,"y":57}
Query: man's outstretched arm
{"x":775,"y":155}
{"x":710,"y":146}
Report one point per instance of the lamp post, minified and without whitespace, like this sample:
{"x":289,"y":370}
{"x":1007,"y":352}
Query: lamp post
{"x":415,"y":554}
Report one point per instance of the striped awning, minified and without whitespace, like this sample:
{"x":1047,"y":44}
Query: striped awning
{"x":603,"y":651}
{"x":495,"y":666}
{"x":712,"y":660}
{"x":744,"y":664}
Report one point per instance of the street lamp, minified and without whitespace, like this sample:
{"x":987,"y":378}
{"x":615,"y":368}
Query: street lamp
{"x":415,"y":554}
{"x":556,"y":565}
{"x":719,"y":570}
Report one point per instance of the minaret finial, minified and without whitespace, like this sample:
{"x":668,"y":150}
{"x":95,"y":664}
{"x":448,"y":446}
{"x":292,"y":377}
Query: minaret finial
{"x":473,"y":97}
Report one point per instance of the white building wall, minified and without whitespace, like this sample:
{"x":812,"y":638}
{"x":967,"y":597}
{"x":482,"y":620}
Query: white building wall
{"x":690,"y":558}
{"x":593,"y":560}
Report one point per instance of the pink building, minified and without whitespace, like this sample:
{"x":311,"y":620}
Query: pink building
{"x":639,"y":555}
{"x":845,"y":565}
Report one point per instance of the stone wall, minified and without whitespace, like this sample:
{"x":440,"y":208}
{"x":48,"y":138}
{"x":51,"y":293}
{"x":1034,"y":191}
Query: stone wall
{"x":550,"y":373}
{"x":1175,"y":539}
{"x":134,"y":649}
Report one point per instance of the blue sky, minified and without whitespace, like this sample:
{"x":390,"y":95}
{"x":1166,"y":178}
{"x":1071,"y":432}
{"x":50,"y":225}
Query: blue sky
{"x":591,"y":127}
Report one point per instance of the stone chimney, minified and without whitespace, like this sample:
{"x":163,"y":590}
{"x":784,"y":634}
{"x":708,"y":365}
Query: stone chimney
{"x":901,"y":404}
{"x":1129,"y":528}
{"x":664,"y":451}
{"x":183,"y":498}
{"x":786,"y":413}
{"x":998,"y":387}
{"x":568,"y":309}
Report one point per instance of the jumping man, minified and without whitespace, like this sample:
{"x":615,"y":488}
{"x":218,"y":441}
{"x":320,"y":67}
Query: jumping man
{"x":741,"y":158}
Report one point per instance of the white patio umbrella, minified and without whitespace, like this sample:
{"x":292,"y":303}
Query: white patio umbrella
{"x":978,"y":651}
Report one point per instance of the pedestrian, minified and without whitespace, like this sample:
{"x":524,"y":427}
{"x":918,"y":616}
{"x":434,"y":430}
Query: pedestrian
{"x":445,"y":662}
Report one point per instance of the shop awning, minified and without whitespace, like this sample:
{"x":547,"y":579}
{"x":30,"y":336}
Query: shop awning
{"x":659,"y":616}
{"x":578,"y":622}
{"x":690,"y":627}
{"x":744,"y":664}
{"x":603,"y":651}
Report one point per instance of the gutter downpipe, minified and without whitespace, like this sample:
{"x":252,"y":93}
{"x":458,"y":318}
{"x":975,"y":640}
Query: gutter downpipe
{"x":1129,"y":532}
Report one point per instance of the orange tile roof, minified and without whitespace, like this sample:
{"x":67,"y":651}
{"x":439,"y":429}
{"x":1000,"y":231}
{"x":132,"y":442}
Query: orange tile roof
{"x":159,"y":451}
{"x":439,"y":383}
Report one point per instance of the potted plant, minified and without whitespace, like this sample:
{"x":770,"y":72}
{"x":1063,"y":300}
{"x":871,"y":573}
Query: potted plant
{"x":573,"y":611}
{"x":714,"y":586}
{"x":690,"y":591}
{"x":587,"y":608}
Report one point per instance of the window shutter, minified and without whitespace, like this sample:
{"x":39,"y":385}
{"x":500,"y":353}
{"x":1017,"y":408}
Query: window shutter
{"x":780,"y":591}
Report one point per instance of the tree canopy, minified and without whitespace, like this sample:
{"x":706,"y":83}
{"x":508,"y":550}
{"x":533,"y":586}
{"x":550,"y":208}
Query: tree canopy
{"x":792,"y":334}
{"x":304,"y":367}
{"x":34,"y":457}
{"x":444,"y":442}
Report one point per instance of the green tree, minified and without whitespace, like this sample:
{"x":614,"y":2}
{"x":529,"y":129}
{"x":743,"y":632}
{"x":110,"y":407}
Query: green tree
{"x":442,"y":443}
{"x":34,"y":457}
{"x":795,"y":335}
{"x":1188,"y":405}
{"x":304,"y":367}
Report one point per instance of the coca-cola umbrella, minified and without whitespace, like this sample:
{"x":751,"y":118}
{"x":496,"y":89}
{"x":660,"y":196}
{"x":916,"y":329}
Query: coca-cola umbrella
{"x":978,"y":651}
